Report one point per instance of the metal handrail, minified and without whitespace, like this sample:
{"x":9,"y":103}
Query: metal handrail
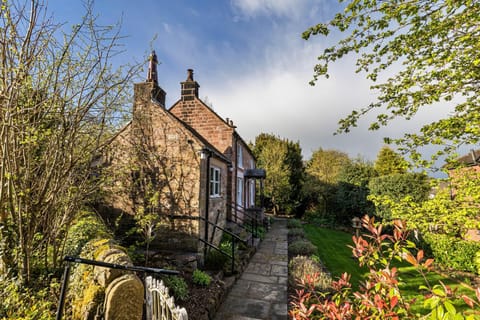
{"x":252,"y":218}
{"x":234,"y":237}
{"x":223,"y":229}
{"x":66,"y":275}
{"x":231,"y":256}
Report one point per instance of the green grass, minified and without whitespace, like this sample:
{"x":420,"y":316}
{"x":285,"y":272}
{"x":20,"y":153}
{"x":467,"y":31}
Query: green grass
{"x":335,"y":254}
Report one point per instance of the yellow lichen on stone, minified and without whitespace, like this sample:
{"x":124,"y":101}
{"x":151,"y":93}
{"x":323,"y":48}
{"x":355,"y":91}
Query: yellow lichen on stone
{"x":88,"y":283}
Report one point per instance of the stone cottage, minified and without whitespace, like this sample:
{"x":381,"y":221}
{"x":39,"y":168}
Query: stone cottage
{"x":222,"y":135}
{"x":174,"y":168}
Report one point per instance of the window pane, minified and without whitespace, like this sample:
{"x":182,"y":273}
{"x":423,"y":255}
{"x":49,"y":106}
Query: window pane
{"x":214,"y":181}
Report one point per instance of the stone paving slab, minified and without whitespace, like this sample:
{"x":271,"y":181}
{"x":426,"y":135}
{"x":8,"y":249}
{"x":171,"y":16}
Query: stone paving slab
{"x":261,"y":291}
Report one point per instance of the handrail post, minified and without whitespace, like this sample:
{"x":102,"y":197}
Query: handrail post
{"x":63,"y":291}
{"x":255,"y":235}
{"x":233,"y":255}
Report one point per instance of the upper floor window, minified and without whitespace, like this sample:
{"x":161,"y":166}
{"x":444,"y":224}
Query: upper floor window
{"x":239,"y":156}
{"x":214,"y":182}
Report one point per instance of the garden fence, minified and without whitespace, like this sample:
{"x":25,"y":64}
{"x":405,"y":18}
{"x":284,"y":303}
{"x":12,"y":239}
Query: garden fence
{"x":159,"y":304}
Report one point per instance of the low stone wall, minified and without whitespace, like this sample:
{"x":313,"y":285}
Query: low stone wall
{"x":115,"y":294}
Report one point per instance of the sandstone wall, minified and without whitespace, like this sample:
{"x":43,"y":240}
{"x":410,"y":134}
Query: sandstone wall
{"x":94,"y":290}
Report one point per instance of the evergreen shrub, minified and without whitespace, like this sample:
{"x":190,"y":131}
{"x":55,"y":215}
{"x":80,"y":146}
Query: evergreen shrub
{"x":296,"y":233}
{"x":452,"y":252}
{"x":294,"y":223}
{"x":301,"y":247}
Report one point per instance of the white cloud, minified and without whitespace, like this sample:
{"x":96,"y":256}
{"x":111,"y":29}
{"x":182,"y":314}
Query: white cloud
{"x":279,"y":100}
{"x":280,"y":8}
{"x":274,"y":97}
{"x":257,"y":74}
{"x":167,"y":28}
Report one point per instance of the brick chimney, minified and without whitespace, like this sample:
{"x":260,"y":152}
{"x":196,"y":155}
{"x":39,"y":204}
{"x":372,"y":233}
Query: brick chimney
{"x":157,"y":93}
{"x":189,"y":87}
{"x":148,"y":95}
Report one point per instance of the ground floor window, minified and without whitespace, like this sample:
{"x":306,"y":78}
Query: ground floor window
{"x":252,"y":192}
{"x":240,"y":191}
{"x":214,"y":182}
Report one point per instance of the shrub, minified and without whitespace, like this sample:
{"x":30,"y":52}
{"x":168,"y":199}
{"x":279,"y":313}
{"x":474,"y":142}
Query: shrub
{"x":301,"y":266}
{"x":201,"y":278}
{"x":453,"y":252}
{"x":85,"y":228}
{"x":177,"y":286}
{"x":294,"y":223}
{"x":296,"y":233}
{"x":315,"y":258}
{"x":260,"y":233}
{"x":379,"y":297}
{"x":477,"y":262}
{"x":302,"y":247}
{"x":320,"y":220}
{"x":216,"y":260}
{"x":27,"y":303}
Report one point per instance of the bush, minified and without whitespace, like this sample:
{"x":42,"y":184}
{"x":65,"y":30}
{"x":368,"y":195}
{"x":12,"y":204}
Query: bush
{"x":177,"y":287}
{"x":477,"y":261}
{"x":296,"y":233}
{"x":216,"y":260}
{"x":302,"y":247}
{"x":302,"y":266}
{"x":453,"y":252}
{"x":27,"y":303}
{"x":201,"y":278}
{"x":85,"y":228}
{"x":294,"y":223}
{"x":260,"y":230}
{"x":380,"y":297}
{"x":320,"y":220}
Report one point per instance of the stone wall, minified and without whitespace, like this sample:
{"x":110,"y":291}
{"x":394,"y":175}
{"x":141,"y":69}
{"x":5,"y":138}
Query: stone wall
{"x":154,"y":169}
{"x":93,"y":290}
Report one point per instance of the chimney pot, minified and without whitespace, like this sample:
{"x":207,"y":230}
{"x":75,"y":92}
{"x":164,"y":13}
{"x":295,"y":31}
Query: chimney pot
{"x":152,"y":75}
{"x":189,"y":87}
{"x":190,"y":75}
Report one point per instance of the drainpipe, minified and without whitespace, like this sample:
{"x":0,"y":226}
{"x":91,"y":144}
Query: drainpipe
{"x":207,"y":154}
{"x":235,"y":176}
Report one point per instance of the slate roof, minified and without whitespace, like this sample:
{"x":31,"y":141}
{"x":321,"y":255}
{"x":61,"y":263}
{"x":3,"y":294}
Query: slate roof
{"x":470,"y":159}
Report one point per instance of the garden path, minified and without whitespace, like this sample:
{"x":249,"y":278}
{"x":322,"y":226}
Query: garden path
{"x":261,"y":291}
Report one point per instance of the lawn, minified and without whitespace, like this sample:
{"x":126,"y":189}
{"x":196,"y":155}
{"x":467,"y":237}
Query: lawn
{"x":334,"y":252}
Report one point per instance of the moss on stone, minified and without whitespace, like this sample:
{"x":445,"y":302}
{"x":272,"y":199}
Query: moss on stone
{"x":86,"y":292}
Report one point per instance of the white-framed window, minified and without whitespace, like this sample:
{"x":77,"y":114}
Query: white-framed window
{"x":239,"y":156}
{"x":240,"y":191}
{"x":214,"y":182}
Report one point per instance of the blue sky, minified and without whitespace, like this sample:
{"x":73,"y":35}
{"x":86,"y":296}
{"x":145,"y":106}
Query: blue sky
{"x":251,"y":64}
